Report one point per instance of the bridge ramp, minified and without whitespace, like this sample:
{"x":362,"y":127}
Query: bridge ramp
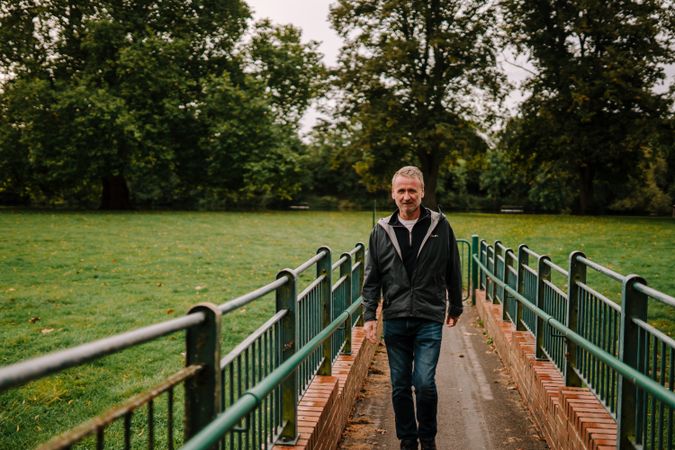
{"x":479,"y":406}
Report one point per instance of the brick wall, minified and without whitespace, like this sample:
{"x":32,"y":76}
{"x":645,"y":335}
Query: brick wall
{"x":324,"y":409}
{"x":569,"y":418}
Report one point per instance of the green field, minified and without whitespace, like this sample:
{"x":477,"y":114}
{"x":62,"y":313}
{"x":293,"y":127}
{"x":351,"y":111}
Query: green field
{"x":68,"y":278}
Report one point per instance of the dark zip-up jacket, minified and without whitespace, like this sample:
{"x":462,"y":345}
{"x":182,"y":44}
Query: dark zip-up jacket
{"x":436,"y":269}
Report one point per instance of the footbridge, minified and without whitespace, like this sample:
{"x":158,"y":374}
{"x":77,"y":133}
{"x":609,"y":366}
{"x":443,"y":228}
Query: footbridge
{"x":590,"y":371}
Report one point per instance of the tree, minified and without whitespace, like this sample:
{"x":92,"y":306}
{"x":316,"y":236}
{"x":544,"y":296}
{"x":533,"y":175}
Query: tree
{"x":291,"y":71}
{"x":122,"y":102}
{"x":408,"y":77}
{"x":593,"y":104}
{"x":102,"y":89}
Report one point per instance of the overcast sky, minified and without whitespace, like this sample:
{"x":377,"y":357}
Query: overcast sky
{"x":309,"y":15}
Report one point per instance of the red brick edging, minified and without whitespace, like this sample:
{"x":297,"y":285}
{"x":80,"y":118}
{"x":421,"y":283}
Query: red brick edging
{"x":569,"y":418}
{"x":325,"y":407}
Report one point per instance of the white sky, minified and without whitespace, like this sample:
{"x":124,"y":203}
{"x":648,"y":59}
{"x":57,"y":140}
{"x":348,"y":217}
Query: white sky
{"x":309,"y":15}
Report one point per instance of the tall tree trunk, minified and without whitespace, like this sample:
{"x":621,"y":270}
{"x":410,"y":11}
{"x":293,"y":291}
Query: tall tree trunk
{"x":115,"y":193}
{"x":587,"y":174}
{"x":430,"y":166}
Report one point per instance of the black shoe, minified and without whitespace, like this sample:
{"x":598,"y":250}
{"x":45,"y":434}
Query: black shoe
{"x":429,"y":444}
{"x":408,"y":444}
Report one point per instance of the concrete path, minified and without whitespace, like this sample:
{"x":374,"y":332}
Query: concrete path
{"x":479,"y":406}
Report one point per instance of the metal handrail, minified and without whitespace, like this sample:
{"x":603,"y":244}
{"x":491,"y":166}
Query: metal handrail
{"x":660,"y":335}
{"x":656,"y":295}
{"x":599,"y":296}
{"x":554,"y":288}
{"x":202,"y":325}
{"x":531,"y":252}
{"x":338,"y":283}
{"x":339,"y":262}
{"x":125,"y":409}
{"x":602,"y":269}
{"x":34,"y":368}
{"x":251,"y":399}
{"x":311,"y":286}
{"x":556,"y":267}
{"x":530,"y":269}
{"x":245,"y":299}
{"x":630,"y":374}
{"x":232,"y":355}
{"x":310,"y":262}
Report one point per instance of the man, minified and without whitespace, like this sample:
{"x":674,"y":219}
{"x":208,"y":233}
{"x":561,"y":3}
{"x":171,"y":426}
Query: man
{"x":414,"y":262}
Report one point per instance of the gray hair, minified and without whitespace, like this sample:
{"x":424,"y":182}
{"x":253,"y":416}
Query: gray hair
{"x":409,"y":172}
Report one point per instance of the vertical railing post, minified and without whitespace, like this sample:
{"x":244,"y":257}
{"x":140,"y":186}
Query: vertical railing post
{"x":495,"y":257}
{"x":286,"y":299}
{"x":523,"y":260}
{"x":346,"y":271}
{"x":543,"y":274}
{"x":576,"y":274}
{"x":490,"y":266}
{"x":361,"y":258}
{"x":474,"y":267}
{"x":325,"y":268}
{"x":509,"y":257}
{"x":481,"y":272}
{"x":203,"y":391}
{"x":633,"y":306}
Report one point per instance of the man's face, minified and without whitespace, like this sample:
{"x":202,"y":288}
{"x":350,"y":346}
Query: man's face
{"x":408,"y":194}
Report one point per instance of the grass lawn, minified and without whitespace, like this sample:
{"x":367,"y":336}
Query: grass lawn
{"x":68,"y":278}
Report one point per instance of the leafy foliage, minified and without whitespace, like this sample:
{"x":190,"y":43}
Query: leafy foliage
{"x":408,"y":73}
{"x":158,"y":97}
{"x":593,"y":105}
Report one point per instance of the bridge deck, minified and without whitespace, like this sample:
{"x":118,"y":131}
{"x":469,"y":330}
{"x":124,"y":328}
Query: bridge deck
{"x":479,"y":406}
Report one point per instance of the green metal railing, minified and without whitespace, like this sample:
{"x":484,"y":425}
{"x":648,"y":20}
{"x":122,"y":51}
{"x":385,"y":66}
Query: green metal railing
{"x":214,"y":384}
{"x":464,"y":248}
{"x":249,"y":397}
{"x":611,"y":349}
{"x":252,"y":399}
{"x":298,"y":320}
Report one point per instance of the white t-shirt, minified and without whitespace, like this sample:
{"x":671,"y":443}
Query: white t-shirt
{"x":409,"y":224}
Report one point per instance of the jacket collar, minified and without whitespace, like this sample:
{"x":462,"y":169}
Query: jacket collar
{"x":424,"y":213}
{"x":387,"y":225}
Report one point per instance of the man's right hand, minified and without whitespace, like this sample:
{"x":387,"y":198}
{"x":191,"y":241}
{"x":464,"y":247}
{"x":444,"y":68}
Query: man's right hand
{"x":371,"y":329}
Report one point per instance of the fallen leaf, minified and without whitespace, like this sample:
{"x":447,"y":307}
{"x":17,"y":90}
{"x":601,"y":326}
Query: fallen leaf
{"x":170,"y":311}
{"x":33,"y":319}
{"x":46,"y":330}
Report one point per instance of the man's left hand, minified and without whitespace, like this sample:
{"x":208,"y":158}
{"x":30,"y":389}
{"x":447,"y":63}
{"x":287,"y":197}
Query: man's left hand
{"x":451,"y":321}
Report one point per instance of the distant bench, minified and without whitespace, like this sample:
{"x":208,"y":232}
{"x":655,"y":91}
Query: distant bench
{"x":511,"y":209}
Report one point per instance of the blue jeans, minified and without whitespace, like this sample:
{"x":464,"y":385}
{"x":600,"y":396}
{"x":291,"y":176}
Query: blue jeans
{"x":413,"y":347}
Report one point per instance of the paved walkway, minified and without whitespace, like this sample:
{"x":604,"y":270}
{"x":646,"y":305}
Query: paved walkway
{"x":479,"y":406}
